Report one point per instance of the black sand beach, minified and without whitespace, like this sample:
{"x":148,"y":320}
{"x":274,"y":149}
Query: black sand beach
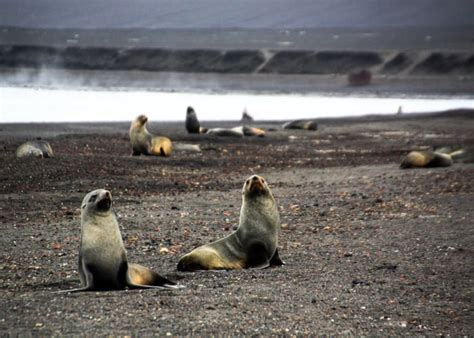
{"x":369,"y":249}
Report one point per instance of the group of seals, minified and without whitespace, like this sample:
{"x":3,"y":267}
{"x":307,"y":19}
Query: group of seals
{"x":145,"y":143}
{"x":442,"y":157}
{"x":37,"y":148}
{"x":193,"y":127}
{"x":103,"y":263}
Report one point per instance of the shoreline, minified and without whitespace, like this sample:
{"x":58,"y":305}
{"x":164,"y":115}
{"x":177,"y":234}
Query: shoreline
{"x":54,"y":105}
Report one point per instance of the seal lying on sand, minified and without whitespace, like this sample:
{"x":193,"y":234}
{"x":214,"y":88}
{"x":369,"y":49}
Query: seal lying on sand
{"x":429,"y":158}
{"x":192,"y":122}
{"x":301,"y":124}
{"x":237,"y":131}
{"x":253,"y":244}
{"x":225,"y":132}
{"x":145,"y":143}
{"x":37,"y":148}
{"x":103,"y":261}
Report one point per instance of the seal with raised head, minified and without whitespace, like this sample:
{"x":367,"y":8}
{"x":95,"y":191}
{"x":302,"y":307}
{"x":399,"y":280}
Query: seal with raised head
{"x":103,"y":261}
{"x":301,"y":124}
{"x":143,"y":142}
{"x":253,"y":244}
{"x":37,"y":148}
{"x":246,"y":118}
{"x":192,"y":122}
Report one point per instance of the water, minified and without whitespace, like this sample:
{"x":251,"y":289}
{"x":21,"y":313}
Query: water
{"x":54,"y":105}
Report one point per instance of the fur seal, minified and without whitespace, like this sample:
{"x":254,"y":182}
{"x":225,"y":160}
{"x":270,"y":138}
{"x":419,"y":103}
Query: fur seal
{"x":192,"y":122}
{"x":237,"y":131}
{"x":145,"y":143}
{"x":251,"y":131}
{"x":232,"y":132}
{"x":37,"y":148}
{"x":253,"y":244}
{"x":429,"y":159}
{"x":246,"y":118}
{"x":301,"y":124}
{"x":103,"y":261}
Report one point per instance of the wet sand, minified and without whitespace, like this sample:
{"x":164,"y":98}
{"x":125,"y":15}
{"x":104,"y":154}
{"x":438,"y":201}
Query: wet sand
{"x":369,"y":249}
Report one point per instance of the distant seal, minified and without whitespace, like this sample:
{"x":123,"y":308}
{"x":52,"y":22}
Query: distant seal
{"x":253,"y":244}
{"x":231,"y":132}
{"x":192,"y":122}
{"x":103,"y":261}
{"x":236,"y":131}
{"x":145,"y":143}
{"x":37,"y":148}
{"x":440,"y":157}
{"x":252,"y":131}
{"x":301,"y":124}
{"x":246,"y":118}
{"x":426,"y":159}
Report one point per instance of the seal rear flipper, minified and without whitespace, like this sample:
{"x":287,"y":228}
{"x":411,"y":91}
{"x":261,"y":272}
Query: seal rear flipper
{"x":208,"y":258}
{"x":85,"y":288}
{"x":139,"y":276}
{"x":276,"y":260}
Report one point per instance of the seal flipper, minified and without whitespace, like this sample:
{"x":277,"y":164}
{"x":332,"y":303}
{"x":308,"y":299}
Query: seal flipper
{"x":276,"y":260}
{"x":86,"y":277}
{"x":140,"y":277}
{"x":257,"y":256}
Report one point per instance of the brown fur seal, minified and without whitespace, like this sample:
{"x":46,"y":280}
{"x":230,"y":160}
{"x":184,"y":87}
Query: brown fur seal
{"x":103,"y":261}
{"x":145,"y":143}
{"x":253,"y":244}
{"x":428,"y":159}
{"x":37,"y":148}
{"x":301,"y":124}
{"x":192,"y":122}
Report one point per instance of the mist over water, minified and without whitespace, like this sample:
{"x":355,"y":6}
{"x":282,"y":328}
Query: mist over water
{"x":55,"y":105}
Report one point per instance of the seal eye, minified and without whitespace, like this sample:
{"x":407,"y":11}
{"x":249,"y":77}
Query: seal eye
{"x":92,"y":198}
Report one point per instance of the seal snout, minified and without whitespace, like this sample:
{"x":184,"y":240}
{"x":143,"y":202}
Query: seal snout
{"x":256,"y":184}
{"x":104,"y":201}
{"x":143,"y":119}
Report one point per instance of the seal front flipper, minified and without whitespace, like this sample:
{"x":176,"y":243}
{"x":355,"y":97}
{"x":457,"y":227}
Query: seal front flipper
{"x":86,"y":278}
{"x":257,"y":256}
{"x":141,"y":277}
{"x":276,"y":260}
